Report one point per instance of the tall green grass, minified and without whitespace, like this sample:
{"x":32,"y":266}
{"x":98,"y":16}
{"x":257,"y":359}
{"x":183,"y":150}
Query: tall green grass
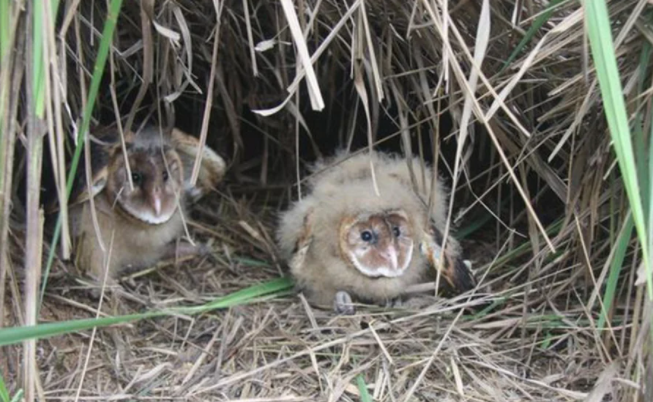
{"x":362,"y":389}
{"x":5,"y":45}
{"x":4,"y":393}
{"x":530,"y":34}
{"x":602,"y":46}
{"x":631,"y":164}
{"x":96,"y":79}
{"x":623,"y":241}
{"x":4,"y":28}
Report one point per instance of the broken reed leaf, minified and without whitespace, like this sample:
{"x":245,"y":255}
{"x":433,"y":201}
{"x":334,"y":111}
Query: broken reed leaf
{"x":317,"y":102}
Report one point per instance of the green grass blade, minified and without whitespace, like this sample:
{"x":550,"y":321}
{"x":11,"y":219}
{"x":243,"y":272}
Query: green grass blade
{"x":40,"y":64}
{"x":537,"y":24}
{"x":5,"y":38}
{"x":98,"y":71}
{"x":4,"y":394}
{"x":650,"y":197}
{"x":362,"y":389}
{"x":602,"y":45}
{"x":14,"y":335}
{"x":242,"y":296}
{"x":10,"y":336}
{"x":548,"y":340}
{"x":5,"y":45}
{"x":18,"y":397}
{"x":615,"y":269}
{"x":638,"y":128}
{"x":38,"y":73}
{"x":487,"y":309}
{"x":648,"y":172}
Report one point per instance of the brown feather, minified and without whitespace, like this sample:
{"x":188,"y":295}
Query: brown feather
{"x":141,"y":221}
{"x":342,"y":196}
{"x":457,"y":275}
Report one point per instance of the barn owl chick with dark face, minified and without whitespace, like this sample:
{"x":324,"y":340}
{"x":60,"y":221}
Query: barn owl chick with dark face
{"x":139,"y":197}
{"x":378,"y":245}
{"x":359,"y":237}
{"x":156,"y":181}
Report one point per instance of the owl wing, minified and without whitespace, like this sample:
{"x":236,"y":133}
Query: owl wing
{"x":101,"y":151}
{"x":212,"y":168}
{"x":304,"y":241}
{"x":453,"y":269}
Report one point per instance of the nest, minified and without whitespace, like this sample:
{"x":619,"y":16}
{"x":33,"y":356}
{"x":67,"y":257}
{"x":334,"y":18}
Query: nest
{"x":511,"y":117}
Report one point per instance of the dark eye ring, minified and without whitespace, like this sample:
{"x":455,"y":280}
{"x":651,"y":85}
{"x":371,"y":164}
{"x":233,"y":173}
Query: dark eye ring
{"x":396,"y":231}
{"x":366,"y":235}
{"x":165,"y":175}
{"x":136,"y":177}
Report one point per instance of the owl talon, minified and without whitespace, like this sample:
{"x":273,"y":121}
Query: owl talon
{"x":462,"y":276}
{"x":395,"y":302}
{"x":183,"y":250}
{"x":342,"y":303}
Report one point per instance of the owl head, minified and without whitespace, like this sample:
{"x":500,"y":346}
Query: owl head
{"x":377,"y":244}
{"x":157,"y":177}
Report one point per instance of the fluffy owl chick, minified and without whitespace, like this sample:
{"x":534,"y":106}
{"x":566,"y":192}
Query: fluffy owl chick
{"x":137,"y":223}
{"x":345,"y":242}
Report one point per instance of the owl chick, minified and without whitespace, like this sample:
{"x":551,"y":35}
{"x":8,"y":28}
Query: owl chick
{"x":345,"y":242}
{"x":139,"y":210}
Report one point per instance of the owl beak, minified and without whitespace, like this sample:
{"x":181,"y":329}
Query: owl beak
{"x":155,"y":201}
{"x":390,"y":255}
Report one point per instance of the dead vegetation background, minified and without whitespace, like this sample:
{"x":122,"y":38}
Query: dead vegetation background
{"x":500,"y":96}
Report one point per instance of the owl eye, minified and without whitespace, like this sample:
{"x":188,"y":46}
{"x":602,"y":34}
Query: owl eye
{"x":165,"y":175}
{"x":366,"y":235}
{"x":136,"y":178}
{"x":396,"y":231}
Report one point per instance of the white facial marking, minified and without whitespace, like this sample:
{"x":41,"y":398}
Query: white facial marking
{"x":157,"y":206}
{"x":410,"y":257}
{"x":387,"y":272}
{"x":147,"y":216}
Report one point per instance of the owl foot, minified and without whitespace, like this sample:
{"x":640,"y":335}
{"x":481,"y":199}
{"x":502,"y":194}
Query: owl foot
{"x":342,"y":303}
{"x":186,"y":250}
{"x":395,"y":302}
